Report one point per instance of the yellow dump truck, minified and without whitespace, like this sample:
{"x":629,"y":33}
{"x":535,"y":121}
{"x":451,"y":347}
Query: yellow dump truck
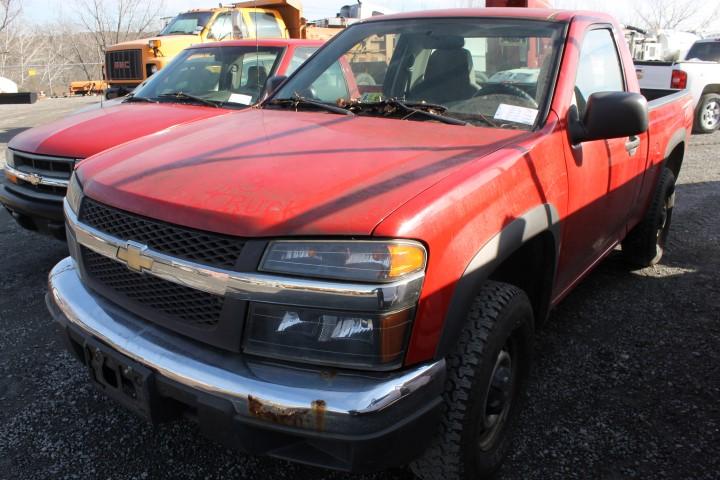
{"x":128,"y":64}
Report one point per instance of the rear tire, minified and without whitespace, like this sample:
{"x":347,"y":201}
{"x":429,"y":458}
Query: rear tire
{"x":707,"y":115}
{"x":645,"y":244}
{"x":486,"y":373}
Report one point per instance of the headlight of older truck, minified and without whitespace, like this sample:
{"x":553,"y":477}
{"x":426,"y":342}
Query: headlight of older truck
{"x":74,"y":194}
{"x":356,"y":261}
{"x":9,"y":157}
{"x":10,"y":162}
{"x":335,"y":337}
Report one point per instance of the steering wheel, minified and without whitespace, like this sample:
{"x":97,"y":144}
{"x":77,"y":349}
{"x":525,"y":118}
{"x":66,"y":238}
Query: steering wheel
{"x":507,"y":89}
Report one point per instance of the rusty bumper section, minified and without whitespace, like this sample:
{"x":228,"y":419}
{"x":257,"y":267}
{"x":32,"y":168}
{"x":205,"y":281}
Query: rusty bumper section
{"x":354,"y":421}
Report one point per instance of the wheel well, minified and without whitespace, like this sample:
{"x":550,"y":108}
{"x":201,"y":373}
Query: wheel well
{"x":712,"y":88}
{"x":532,"y":269}
{"x":675,"y":159}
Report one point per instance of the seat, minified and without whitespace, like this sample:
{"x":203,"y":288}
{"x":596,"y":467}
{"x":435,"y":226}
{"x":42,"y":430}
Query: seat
{"x":257,"y":76}
{"x":447,"y":77}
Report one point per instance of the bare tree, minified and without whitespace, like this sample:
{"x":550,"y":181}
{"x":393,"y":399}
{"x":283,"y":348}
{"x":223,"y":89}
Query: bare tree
{"x":78,"y":47}
{"x":114,"y":21}
{"x":9,"y":11}
{"x":676,"y":14}
{"x":21,"y":46}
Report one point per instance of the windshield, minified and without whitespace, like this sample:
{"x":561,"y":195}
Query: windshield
{"x":705,"y":51}
{"x":187,"y":24}
{"x":478,"y":70}
{"x":228,"y":76}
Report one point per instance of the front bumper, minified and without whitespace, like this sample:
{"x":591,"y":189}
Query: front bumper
{"x":366,"y":422}
{"x":33,"y":214}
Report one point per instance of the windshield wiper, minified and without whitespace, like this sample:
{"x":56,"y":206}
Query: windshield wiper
{"x":298,"y":100}
{"x":186,"y":96}
{"x":134,"y":98}
{"x":427,"y":110}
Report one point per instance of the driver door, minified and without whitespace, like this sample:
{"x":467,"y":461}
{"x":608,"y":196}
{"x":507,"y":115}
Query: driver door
{"x":603,"y":174}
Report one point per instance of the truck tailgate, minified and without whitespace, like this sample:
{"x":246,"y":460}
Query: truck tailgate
{"x":655,"y":75}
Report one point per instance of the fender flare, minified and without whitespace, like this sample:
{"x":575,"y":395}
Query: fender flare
{"x":542,"y":218}
{"x":676,"y":139}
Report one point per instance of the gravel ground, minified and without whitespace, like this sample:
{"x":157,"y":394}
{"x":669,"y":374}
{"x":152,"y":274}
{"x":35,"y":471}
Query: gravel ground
{"x":626,"y":384}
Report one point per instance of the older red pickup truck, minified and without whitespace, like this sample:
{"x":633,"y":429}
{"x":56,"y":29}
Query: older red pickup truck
{"x":352,"y":279}
{"x":204,"y":81}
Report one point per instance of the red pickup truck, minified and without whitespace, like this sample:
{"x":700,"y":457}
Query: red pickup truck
{"x":204,"y":81}
{"x":351,"y":278}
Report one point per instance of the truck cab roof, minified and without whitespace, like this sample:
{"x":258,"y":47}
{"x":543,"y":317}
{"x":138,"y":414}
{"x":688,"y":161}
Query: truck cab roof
{"x":263,"y":42}
{"x":546,"y":14}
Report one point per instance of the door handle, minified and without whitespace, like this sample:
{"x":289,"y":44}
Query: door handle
{"x":632,"y":144}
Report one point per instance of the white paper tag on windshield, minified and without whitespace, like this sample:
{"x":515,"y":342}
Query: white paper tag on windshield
{"x":513,"y":113}
{"x":240,"y":98}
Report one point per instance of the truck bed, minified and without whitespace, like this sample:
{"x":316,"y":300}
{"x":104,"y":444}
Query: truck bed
{"x":659,"y":96}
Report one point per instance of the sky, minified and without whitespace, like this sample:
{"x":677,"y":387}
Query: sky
{"x":49,"y":10}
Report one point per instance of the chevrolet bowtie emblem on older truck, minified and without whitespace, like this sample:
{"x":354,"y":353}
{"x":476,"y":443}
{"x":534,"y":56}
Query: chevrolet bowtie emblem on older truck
{"x":132,"y":255}
{"x":34,"y":179}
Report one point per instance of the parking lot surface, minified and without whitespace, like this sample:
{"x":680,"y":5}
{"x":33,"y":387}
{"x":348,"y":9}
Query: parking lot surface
{"x":626,"y":382}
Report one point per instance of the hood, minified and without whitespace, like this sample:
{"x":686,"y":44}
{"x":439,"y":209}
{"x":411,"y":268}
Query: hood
{"x":281,"y":173}
{"x":164,"y":40}
{"x":170,"y":44}
{"x":91,"y":131}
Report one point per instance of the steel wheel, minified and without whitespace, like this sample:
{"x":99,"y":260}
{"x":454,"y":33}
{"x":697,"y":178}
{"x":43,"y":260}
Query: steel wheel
{"x":498,"y":398}
{"x":710,"y":116}
{"x":664,"y":223}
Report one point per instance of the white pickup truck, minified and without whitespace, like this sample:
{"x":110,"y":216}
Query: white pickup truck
{"x":699,"y":72}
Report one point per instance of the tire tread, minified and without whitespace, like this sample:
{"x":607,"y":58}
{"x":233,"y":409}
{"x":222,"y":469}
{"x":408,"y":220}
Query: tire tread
{"x":443,"y":459}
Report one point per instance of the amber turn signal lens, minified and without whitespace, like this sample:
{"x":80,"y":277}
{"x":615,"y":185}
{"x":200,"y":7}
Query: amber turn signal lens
{"x":11,"y":177}
{"x":405,"y":258}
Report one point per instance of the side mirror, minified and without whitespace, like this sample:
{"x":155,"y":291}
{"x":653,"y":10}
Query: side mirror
{"x":274,"y":82}
{"x":112,"y":93}
{"x":610,"y":115}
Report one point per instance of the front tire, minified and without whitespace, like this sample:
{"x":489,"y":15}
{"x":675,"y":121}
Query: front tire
{"x":707,"y":115}
{"x":486,"y":373}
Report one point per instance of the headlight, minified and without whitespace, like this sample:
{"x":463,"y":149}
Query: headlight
{"x":74,"y":194}
{"x":358,"y":261}
{"x":9,"y":157}
{"x":343,"y":339}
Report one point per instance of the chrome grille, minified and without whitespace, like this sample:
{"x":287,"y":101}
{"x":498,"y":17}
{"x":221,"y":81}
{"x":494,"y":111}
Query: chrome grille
{"x":179,"y":303}
{"x":195,"y":245}
{"x":124,"y":65}
{"x":44,"y":166}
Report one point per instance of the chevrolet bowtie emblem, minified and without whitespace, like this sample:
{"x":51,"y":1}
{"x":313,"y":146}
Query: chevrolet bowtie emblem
{"x":34,"y":179}
{"x":133,"y":254}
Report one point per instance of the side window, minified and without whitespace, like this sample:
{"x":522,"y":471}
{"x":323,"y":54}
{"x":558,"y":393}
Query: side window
{"x":331,"y":85}
{"x":299,"y":56}
{"x":599,"y":70}
{"x":266,"y":24}
{"x":222,"y":28}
